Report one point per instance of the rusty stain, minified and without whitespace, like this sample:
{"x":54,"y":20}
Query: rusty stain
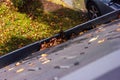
{"x":89,"y":35}
{"x":119,"y":24}
{"x":118,"y":29}
{"x":31,"y":64}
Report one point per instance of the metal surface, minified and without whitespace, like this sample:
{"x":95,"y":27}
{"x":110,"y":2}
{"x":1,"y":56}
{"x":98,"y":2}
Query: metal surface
{"x":106,"y":68}
{"x":75,"y":54}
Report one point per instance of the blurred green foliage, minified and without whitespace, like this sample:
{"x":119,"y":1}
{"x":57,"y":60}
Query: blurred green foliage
{"x":18,"y":29}
{"x":18,"y":3}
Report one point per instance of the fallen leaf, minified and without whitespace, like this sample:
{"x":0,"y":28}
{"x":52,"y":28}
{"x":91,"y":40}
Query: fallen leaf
{"x":20,"y":70}
{"x":47,"y":61}
{"x":44,"y":55}
{"x":101,"y":41}
{"x":118,"y":29}
{"x":10,"y":69}
{"x":17,"y":64}
{"x":93,"y":39}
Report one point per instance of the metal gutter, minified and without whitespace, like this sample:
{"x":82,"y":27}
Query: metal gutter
{"x":34,"y":47}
